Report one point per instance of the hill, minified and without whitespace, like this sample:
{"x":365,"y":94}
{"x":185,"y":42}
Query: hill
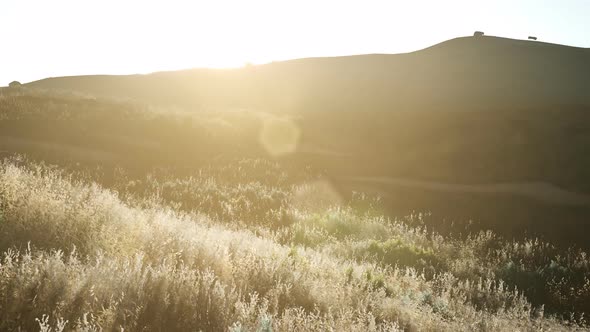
{"x":432,"y":130}
{"x":465,"y":73}
{"x":440,"y":190}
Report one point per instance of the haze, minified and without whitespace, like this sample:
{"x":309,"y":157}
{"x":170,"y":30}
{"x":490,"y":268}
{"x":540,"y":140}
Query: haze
{"x":347,"y":166}
{"x":56,"y":38}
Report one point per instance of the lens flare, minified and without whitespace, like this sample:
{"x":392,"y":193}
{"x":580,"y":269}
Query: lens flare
{"x":279,"y":136}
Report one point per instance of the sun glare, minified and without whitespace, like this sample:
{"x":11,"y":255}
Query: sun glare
{"x":413,"y":166}
{"x":125,"y":37}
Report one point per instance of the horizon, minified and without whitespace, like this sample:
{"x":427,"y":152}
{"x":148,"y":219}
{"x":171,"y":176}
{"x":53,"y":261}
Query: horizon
{"x":290,"y":59}
{"x":294,"y":165}
{"x":180,"y":35}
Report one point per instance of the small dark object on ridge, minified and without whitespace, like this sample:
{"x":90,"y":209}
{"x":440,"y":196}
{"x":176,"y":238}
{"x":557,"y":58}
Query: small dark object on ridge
{"x":532,"y":38}
{"x":14,"y":84}
{"x":478,"y":34}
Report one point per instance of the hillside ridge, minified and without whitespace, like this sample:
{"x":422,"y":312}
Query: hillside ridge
{"x":465,"y":73}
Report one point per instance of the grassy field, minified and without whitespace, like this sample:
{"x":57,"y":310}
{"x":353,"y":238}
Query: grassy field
{"x":115,"y":215}
{"x":534,"y":148}
{"x":242,"y":247}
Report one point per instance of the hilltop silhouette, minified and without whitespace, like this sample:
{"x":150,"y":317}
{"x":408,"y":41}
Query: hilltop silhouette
{"x":463,"y":73}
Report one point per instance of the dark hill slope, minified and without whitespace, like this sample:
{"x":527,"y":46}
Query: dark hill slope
{"x":463,"y":73}
{"x":535,"y":134}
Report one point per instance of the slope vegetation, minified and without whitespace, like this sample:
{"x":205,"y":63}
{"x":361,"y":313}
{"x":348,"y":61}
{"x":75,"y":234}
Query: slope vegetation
{"x":222,"y":250}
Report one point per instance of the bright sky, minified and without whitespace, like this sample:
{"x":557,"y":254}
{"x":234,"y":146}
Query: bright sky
{"x":43,"y":38}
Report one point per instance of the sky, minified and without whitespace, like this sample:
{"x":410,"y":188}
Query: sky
{"x":48,"y":38}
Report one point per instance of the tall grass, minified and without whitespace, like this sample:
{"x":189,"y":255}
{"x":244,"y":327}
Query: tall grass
{"x":82,"y":257}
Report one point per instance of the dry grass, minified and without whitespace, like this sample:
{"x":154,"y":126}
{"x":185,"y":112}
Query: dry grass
{"x":91,"y":260}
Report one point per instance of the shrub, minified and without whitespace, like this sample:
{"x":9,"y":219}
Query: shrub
{"x":74,"y":250}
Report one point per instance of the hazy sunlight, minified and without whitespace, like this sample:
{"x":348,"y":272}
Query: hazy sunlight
{"x":125,"y":37}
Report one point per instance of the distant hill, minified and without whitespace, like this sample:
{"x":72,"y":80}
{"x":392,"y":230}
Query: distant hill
{"x":411,"y":128}
{"x":463,"y":73}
